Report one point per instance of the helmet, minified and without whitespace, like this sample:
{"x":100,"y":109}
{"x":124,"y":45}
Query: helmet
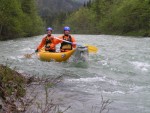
{"x":66,"y":28}
{"x":49,"y":29}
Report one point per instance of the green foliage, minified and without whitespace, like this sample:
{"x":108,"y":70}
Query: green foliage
{"x":19,"y":19}
{"x":33,"y":24}
{"x":58,"y":21}
{"x":112,"y":17}
{"x":82,"y":21}
{"x":53,"y":12}
{"x":11,"y":17}
{"x":28,"y":7}
{"x":128,"y":18}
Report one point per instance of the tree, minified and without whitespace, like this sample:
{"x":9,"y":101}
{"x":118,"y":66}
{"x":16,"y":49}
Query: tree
{"x":17,"y":21}
{"x":10,"y":21}
{"x":130,"y":17}
{"x":82,"y":21}
{"x":32,"y":25}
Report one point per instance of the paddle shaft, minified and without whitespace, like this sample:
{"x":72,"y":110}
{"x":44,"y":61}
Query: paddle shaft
{"x":64,"y":40}
{"x":91,"y":48}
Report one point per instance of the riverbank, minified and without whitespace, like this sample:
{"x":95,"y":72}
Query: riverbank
{"x":16,"y":90}
{"x":12,"y":85}
{"x":20,"y":93}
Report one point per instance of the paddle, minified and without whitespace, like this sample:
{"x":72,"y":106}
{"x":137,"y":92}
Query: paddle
{"x":28,"y":55}
{"x":91,"y":48}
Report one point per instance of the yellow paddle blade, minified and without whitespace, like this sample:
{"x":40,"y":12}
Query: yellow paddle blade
{"x":91,"y":48}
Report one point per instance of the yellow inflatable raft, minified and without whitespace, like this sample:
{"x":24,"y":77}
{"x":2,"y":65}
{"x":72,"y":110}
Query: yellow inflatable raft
{"x":58,"y":56}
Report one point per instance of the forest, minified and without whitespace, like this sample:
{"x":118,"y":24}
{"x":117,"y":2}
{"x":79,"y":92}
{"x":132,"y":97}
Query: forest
{"x":113,"y":17}
{"x":19,"y":18}
{"x":26,"y":18}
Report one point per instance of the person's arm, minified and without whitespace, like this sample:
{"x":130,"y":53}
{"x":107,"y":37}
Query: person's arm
{"x":73,"y":42}
{"x":41,"y":45}
{"x":53,"y":44}
{"x":57,"y":41}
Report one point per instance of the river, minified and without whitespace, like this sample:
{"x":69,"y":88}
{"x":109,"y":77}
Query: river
{"x":119,"y":72}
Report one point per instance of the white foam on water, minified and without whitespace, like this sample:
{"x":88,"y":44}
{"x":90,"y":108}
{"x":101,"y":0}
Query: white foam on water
{"x":113,"y":92}
{"x":20,"y":56}
{"x":13,"y":57}
{"x":89,"y":79}
{"x":104,"y":62}
{"x":16,"y":57}
{"x":94,"y":79}
{"x":26,"y":49}
{"x":141,"y":65}
{"x":136,"y":88}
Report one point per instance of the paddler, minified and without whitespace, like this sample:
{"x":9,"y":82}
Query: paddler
{"x":48,"y":41}
{"x":65,"y":45}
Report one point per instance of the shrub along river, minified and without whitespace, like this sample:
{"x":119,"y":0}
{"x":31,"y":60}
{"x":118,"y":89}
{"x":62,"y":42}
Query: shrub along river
{"x":118,"y":72}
